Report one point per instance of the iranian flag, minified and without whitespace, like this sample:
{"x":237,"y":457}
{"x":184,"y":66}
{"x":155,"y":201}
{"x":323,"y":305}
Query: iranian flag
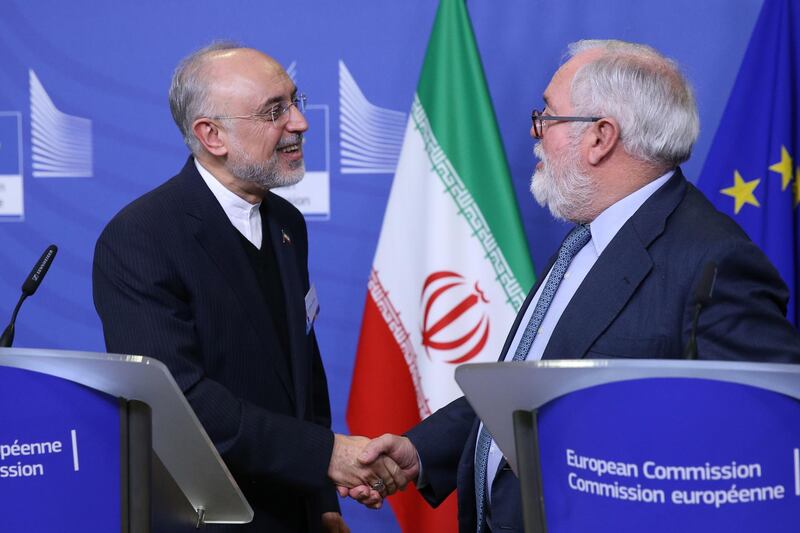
{"x":452,"y":266}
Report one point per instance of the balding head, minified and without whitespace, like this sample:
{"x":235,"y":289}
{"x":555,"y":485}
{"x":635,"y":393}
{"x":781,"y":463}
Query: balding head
{"x":205,"y":83}
{"x":641,"y":89}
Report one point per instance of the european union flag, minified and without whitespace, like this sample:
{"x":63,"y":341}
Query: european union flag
{"x":753,"y":168}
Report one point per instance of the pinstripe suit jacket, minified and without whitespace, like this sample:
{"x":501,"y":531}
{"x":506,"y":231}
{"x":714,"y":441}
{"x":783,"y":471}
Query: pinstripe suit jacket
{"x":171,"y":280}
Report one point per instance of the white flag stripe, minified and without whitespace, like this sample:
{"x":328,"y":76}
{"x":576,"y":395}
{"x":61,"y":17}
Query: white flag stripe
{"x":423,"y":206}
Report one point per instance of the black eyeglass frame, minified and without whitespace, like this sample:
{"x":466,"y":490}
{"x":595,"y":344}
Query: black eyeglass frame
{"x":538,"y":118}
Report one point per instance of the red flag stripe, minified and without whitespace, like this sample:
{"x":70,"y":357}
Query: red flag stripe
{"x":383,"y":399}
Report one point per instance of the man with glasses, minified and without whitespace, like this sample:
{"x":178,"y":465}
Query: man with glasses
{"x":208,"y":273}
{"x":618,"y":120}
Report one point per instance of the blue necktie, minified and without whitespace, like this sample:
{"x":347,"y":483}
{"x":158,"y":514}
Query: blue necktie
{"x":576,"y":240}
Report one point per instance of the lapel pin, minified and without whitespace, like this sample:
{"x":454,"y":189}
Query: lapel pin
{"x":285,"y":238}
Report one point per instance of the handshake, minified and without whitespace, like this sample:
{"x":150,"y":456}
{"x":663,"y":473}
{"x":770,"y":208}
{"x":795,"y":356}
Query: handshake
{"x":369,"y":470}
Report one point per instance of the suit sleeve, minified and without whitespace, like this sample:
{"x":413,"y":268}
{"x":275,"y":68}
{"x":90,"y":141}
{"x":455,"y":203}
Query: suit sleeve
{"x":745,"y":319}
{"x":439,"y":440}
{"x":145,"y":309}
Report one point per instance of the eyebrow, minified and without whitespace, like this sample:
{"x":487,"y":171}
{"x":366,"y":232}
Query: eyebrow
{"x":270,"y":102}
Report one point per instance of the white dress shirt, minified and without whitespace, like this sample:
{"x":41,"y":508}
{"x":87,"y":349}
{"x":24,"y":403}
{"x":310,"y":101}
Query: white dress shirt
{"x":244,"y":216}
{"x":602,"y":229}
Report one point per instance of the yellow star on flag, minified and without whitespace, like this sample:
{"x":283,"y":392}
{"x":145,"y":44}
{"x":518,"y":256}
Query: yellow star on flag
{"x":784,"y":168}
{"x":742,"y":192}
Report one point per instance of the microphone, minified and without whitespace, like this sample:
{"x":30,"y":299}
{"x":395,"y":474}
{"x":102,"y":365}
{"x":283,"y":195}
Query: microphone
{"x":702,"y":295}
{"x":29,"y":287}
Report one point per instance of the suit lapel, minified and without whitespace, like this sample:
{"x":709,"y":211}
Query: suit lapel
{"x":283,"y":243}
{"x":613,"y":279}
{"x":221,"y":242}
{"x":602,"y":295}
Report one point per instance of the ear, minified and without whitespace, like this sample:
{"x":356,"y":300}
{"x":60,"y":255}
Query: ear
{"x":210,"y":136}
{"x":603,"y":137}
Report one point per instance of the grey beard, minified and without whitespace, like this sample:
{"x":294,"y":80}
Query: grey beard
{"x":562,"y":187}
{"x":264,"y":173}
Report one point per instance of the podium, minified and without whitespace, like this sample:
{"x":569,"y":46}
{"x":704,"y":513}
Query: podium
{"x":95,"y":442}
{"x":646,"y":445}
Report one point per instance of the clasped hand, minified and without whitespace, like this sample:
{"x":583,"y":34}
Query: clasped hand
{"x":369,"y":470}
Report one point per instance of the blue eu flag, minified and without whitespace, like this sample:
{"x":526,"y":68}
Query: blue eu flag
{"x":753,"y":167}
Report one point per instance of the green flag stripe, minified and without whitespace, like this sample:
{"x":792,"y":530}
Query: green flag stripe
{"x":453,"y":92}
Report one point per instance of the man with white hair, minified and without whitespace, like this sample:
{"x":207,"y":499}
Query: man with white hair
{"x":618,"y":119}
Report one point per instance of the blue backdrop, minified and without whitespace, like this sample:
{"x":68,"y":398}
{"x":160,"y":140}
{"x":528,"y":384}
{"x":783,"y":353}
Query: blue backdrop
{"x":85,"y":127}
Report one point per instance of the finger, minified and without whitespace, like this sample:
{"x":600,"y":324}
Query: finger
{"x":366,"y":496}
{"x":360,"y":493}
{"x":393,"y":476}
{"x":374,"y":499}
{"x":398,"y":476}
{"x":369,"y":498}
{"x":342,"y":491}
{"x":381,"y":470}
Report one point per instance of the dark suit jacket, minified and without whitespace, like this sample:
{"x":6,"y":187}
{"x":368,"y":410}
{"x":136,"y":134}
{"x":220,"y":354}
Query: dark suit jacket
{"x":172,"y":280}
{"x":636,"y":301}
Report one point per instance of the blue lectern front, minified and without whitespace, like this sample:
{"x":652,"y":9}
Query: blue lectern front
{"x":96,"y":443}
{"x":646,"y":445}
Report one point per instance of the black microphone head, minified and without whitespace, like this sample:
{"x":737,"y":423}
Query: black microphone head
{"x":39,"y":270}
{"x":705,"y":287}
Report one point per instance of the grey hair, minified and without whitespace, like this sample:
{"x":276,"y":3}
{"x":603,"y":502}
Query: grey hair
{"x":645,"y":92}
{"x":188,"y":92}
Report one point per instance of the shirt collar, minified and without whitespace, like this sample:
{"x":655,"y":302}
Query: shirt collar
{"x":609,"y":222}
{"x":234,"y":206}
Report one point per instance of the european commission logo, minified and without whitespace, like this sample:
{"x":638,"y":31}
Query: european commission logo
{"x":11,"y":205}
{"x":61,"y":144}
{"x":61,"y":147}
{"x":371,"y":136}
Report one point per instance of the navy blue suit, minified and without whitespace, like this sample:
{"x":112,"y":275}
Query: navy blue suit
{"x":172,"y":281}
{"x":637,"y":302}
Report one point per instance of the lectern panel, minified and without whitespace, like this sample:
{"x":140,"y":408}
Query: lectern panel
{"x":59,"y":455}
{"x":670,"y":454}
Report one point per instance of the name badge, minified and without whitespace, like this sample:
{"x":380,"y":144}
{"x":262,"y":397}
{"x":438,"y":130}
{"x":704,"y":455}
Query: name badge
{"x":312,"y":308}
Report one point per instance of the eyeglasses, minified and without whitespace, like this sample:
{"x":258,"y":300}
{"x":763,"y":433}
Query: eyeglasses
{"x":277,"y":114}
{"x":538,"y":118}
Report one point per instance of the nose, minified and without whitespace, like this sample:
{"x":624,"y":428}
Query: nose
{"x":297,"y":121}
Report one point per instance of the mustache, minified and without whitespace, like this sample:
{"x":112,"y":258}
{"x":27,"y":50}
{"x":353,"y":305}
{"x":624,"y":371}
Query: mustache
{"x":290,"y":140}
{"x":538,"y":151}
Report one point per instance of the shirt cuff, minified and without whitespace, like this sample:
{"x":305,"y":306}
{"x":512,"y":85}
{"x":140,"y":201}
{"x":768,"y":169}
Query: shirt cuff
{"x":422,"y":481}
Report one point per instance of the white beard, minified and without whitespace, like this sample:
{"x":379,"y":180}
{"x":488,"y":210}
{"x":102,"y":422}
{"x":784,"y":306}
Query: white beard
{"x":562,"y":187}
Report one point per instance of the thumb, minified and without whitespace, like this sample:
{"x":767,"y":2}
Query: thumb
{"x":375,"y":448}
